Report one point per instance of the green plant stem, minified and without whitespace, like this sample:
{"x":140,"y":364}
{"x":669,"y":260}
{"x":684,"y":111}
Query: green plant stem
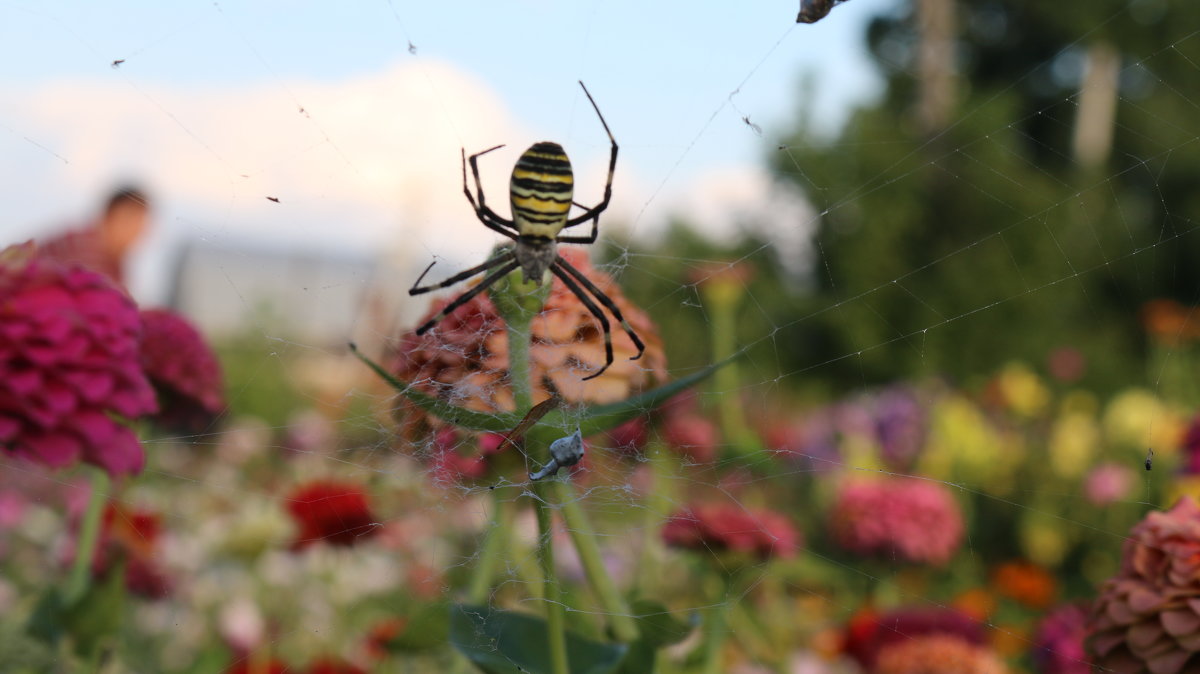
{"x":658,"y":498}
{"x":89,"y":534}
{"x":584,"y":538}
{"x":729,"y":403}
{"x":552,"y":593}
{"x":714,"y":637}
{"x":489,"y":555}
{"x":519,"y":378}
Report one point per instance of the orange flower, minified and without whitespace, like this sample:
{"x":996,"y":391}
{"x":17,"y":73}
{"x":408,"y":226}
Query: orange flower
{"x":977,"y":603}
{"x":464,"y":358}
{"x":1170,"y":322}
{"x":1026,"y":583}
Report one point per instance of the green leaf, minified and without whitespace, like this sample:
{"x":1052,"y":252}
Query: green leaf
{"x":94,"y":621}
{"x":46,"y":622}
{"x":504,"y":642}
{"x":656,"y":624}
{"x":658,"y":628}
{"x":428,"y":627}
{"x":597,"y":418}
{"x":463,"y":418}
{"x":20,"y":651}
{"x":591,"y":419}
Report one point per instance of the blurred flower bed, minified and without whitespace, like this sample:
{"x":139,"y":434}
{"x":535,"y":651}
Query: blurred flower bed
{"x":1017,"y":524}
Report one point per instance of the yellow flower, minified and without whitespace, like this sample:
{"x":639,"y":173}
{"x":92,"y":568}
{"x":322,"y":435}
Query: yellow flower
{"x":1022,"y":390}
{"x":1074,"y":440}
{"x":964,"y":446}
{"x":1138,"y":419}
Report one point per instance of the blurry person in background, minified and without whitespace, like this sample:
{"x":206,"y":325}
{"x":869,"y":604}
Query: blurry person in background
{"x":105,"y":244}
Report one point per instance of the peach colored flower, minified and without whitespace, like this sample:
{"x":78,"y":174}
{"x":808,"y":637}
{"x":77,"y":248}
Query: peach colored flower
{"x":464,"y":358}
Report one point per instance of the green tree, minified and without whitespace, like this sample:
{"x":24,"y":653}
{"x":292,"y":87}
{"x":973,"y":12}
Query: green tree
{"x":1025,"y":181}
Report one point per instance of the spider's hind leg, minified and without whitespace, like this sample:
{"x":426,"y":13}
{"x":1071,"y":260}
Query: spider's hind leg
{"x":505,"y":263}
{"x":608,"y":304}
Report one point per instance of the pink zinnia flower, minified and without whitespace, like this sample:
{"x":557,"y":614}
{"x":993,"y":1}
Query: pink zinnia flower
{"x":913,"y":520}
{"x":331,"y":512}
{"x":1191,"y":447}
{"x":68,"y":363}
{"x":715,"y":527}
{"x":1147,"y":618}
{"x":183,"y":369}
{"x":1108,"y":483}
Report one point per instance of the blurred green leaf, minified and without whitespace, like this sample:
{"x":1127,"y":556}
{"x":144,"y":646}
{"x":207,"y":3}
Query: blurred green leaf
{"x":658,"y":628}
{"x":428,"y":627}
{"x":598,"y":418}
{"x":96,"y":618}
{"x":504,"y":642}
{"x":593,"y":419}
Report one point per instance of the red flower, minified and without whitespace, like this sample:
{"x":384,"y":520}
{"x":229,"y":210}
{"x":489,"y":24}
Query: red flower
{"x":693,"y":436}
{"x":869,"y":632}
{"x":132,"y":534}
{"x":68,"y":363}
{"x":183,"y":369}
{"x":329,"y":665}
{"x":380,"y":636}
{"x":629,"y":437}
{"x":714,"y":527}
{"x":331,"y":512}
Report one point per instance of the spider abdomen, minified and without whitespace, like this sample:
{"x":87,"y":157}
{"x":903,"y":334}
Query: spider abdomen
{"x":541,"y":190}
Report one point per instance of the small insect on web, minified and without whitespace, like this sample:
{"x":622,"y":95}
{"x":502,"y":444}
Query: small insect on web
{"x":540,"y":194}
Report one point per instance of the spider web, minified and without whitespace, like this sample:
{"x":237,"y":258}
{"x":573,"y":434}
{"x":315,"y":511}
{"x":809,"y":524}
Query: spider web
{"x":299,"y":192}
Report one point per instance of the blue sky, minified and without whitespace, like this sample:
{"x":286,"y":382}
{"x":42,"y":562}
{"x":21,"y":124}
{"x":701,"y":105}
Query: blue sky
{"x":205,"y":108}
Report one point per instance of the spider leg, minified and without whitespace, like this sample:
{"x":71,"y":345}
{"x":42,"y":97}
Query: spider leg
{"x":482,"y":211}
{"x":606,"y":301}
{"x":590,"y":238}
{"x":488,"y":281}
{"x":595,"y":310}
{"x":417,"y":289}
{"x":593,"y":214}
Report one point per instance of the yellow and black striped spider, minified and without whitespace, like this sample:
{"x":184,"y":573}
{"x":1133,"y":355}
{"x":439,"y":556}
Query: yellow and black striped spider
{"x":541,"y":193}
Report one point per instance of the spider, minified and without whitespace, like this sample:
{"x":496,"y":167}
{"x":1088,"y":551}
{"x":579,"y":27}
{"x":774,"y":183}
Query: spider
{"x":541,"y":193}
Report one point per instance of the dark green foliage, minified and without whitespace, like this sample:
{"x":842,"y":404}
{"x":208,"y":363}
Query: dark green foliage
{"x":953,"y":250}
{"x":504,"y":642}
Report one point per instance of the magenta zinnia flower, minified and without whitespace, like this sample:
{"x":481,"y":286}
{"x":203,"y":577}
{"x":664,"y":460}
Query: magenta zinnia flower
{"x":716,"y":527}
{"x":913,"y":520}
{"x":183,"y":369}
{"x":68,"y":363}
{"x":1147,"y":618}
{"x":1059,"y":643}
